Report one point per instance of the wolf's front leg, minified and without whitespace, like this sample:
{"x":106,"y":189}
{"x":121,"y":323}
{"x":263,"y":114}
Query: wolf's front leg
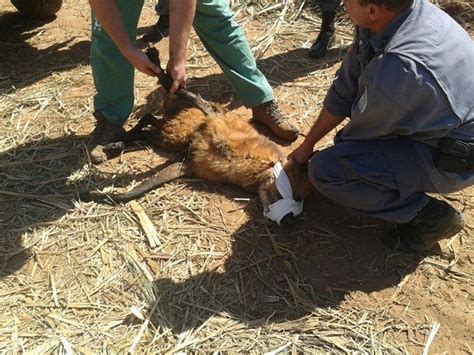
{"x":135,"y":134}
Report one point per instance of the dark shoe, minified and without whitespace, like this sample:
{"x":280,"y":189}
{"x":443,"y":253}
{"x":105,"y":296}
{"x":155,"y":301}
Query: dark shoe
{"x":326,"y":36}
{"x":104,"y":133}
{"x":269,"y":115}
{"x":436,"y":221}
{"x":159,"y":31}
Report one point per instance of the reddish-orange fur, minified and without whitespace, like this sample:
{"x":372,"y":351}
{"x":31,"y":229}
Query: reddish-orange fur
{"x":221,"y":148}
{"x":227,"y":149}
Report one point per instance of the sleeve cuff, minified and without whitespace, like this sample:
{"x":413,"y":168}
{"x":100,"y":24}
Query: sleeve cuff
{"x":337,"y":105}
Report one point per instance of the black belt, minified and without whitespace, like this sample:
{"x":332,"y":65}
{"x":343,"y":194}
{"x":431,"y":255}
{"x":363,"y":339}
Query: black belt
{"x":455,"y":155}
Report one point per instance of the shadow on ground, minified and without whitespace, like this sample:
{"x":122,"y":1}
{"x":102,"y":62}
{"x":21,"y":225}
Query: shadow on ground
{"x":23,"y":64}
{"x":279,"y":274}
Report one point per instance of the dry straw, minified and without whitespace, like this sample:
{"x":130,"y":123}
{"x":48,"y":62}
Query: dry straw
{"x":200,"y":267}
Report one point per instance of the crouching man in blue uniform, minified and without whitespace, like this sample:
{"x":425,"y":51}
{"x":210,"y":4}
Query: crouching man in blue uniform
{"x":407,"y":85}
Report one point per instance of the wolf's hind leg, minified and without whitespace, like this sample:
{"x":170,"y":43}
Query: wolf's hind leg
{"x":169,"y":173}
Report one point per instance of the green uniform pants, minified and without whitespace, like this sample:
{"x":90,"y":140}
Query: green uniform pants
{"x":113,"y":74}
{"x":215,"y":26}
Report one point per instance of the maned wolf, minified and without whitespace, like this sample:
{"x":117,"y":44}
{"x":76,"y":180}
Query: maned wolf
{"x":219,"y":147}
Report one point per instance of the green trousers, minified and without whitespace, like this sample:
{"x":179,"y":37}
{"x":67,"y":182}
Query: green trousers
{"x":219,"y":33}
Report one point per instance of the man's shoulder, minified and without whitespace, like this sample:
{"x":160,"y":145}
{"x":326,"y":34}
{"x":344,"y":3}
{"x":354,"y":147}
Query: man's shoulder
{"x":394,"y":65}
{"x":396,"y":72}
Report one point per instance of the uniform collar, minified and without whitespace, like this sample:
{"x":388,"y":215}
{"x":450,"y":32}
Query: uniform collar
{"x":379,"y":41}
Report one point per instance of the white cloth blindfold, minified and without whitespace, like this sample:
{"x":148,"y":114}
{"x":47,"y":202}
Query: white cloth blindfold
{"x":276,"y":211}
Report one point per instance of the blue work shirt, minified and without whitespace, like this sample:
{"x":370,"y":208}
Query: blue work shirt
{"x":414,"y":79}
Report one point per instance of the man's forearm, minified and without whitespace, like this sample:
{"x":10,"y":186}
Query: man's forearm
{"x":325,"y":123}
{"x":181,"y":19}
{"x":111,"y":21}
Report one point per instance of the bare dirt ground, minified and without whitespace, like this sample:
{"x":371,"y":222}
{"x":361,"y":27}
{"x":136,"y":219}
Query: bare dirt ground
{"x":222,"y":277}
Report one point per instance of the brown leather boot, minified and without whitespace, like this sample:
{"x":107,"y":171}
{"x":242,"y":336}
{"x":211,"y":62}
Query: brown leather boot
{"x":269,"y":115}
{"x":104,"y":133}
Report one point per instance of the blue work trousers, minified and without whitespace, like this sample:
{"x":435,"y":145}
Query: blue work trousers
{"x":386,"y":178}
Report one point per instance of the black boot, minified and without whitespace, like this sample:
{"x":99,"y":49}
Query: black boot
{"x":326,"y":36}
{"x":159,"y":31}
{"x":436,"y":221}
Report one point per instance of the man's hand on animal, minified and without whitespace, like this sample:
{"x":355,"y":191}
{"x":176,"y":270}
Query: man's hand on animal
{"x":141,"y":62}
{"x":177,"y":72}
{"x":302,"y":153}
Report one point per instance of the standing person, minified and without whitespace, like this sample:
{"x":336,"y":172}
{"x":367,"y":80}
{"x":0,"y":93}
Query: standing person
{"x":319,"y":48}
{"x":404,"y":86}
{"x":114,"y":56}
{"x":326,"y":34}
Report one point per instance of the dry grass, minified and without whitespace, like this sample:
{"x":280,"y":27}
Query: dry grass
{"x":213,"y":274}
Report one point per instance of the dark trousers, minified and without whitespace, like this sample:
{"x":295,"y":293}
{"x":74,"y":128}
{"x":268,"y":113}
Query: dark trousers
{"x":386,"y":178}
